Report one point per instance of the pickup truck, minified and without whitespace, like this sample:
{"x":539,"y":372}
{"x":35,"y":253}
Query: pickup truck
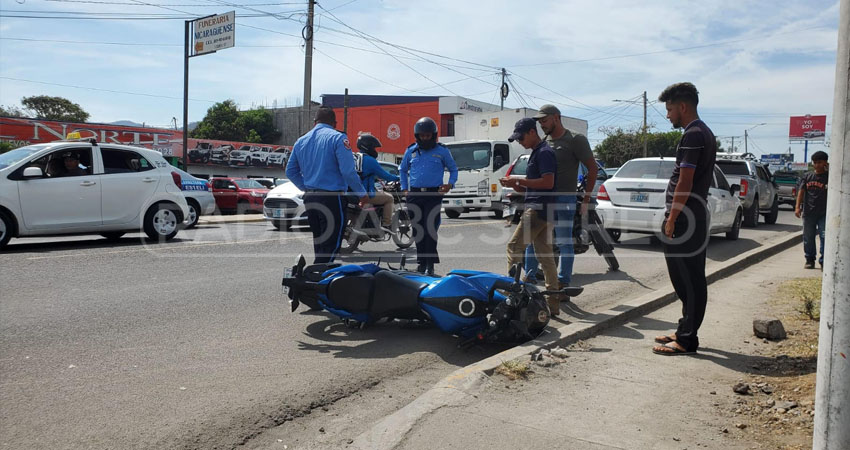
{"x":787,"y":182}
{"x":759,"y":192}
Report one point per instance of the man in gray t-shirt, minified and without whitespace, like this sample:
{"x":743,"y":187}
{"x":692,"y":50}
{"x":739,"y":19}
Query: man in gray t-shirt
{"x":570,"y":151}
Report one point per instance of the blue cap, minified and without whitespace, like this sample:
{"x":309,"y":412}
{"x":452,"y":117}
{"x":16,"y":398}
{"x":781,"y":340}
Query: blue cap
{"x":522,"y":126}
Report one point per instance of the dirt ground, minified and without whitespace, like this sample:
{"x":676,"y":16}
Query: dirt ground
{"x":778,"y":413}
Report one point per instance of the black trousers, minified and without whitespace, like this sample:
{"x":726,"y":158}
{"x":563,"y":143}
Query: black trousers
{"x":685,"y":256}
{"x":424,"y":210}
{"x":326,"y":216}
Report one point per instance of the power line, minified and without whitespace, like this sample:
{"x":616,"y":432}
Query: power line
{"x":132,"y":44}
{"x":97,"y":2}
{"x":104,"y":90}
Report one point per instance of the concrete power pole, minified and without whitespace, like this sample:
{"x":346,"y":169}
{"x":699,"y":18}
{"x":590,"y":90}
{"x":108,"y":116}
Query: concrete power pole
{"x":832,"y":394}
{"x":745,"y":141}
{"x":307,"y":34}
{"x":644,"y":124}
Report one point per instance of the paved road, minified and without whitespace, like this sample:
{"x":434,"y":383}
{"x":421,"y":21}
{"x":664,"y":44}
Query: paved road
{"x":189,"y":344}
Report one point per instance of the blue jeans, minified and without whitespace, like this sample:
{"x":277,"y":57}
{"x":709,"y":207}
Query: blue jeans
{"x":565,"y":211}
{"x":813,"y":224}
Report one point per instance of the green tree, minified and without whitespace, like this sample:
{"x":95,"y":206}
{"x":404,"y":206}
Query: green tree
{"x":220,"y":123}
{"x":54,"y":108}
{"x":259,"y":121}
{"x":5,"y":147}
{"x":620,"y":145}
{"x":224,"y":121}
{"x":11,"y":111}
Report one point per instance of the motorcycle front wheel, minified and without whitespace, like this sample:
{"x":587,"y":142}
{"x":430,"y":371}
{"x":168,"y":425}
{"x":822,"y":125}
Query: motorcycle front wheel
{"x":402,"y":229}
{"x":601,"y":243}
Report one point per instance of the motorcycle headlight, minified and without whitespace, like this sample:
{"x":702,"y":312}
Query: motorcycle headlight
{"x":483,"y":188}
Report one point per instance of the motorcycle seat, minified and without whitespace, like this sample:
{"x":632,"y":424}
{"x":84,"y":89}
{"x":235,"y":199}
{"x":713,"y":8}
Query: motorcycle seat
{"x":352,"y":292}
{"x":396,"y":296}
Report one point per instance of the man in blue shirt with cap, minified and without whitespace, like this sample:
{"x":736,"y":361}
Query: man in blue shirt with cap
{"x":321,"y":165}
{"x":536,"y":224}
{"x":421,"y":173}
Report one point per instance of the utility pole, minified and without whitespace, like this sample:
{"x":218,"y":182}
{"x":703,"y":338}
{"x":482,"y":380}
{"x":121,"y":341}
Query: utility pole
{"x":745,"y":141}
{"x":345,"y":113}
{"x":732,"y":148}
{"x":832,"y":388}
{"x":503,"y":90}
{"x":644,"y":124}
{"x":307,"y":34}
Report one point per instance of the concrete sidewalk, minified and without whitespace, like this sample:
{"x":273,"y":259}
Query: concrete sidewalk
{"x":234,"y":218}
{"x":611,"y":391}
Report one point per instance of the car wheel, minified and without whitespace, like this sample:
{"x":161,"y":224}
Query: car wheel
{"x":162,"y":221}
{"x":113,"y":236}
{"x":7,"y":227}
{"x":751,"y":214}
{"x":452,"y":213}
{"x":284,"y":225}
{"x":770,"y":218}
{"x":735,"y":231}
{"x":194,"y":215}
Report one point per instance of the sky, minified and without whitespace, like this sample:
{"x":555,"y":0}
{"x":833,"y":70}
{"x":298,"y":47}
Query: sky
{"x":755,"y":63}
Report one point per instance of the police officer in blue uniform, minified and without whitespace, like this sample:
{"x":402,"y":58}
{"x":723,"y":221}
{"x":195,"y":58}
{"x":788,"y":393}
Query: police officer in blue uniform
{"x":421,"y":173}
{"x":321,"y":165}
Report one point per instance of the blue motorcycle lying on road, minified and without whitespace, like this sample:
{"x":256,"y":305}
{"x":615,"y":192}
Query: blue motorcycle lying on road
{"x":477,"y":306}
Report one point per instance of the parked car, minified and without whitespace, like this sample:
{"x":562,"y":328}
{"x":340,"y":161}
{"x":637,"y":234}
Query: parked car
{"x":201,"y":153}
{"x":259,"y":156}
{"x":199,"y":198}
{"x":520,"y":166}
{"x":240,"y":156}
{"x":278,"y":157}
{"x":114,"y":189}
{"x":787,"y":185}
{"x":759,"y":192}
{"x":269,"y":183}
{"x":221,"y":154}
{"x":633,"y":200}
{"x":611,"y":171}
{"x":239,"y":195}
{"x":284,"y":206}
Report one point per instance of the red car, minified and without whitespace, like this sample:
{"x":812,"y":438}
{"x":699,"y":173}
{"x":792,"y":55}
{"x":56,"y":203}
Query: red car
{"x":239,"y":195}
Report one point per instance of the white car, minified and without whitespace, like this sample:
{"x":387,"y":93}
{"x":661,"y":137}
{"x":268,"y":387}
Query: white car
{"x":278,"y":157}
{"x":199,"y":198}
{"x":109,"y":189}
{"x":633,"y":200}
{"x":242,"y":155}
{"x":259,"y":156}
{"x":284,"y":205}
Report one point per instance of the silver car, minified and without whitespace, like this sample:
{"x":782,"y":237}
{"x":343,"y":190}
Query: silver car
{"x":199,"y":197}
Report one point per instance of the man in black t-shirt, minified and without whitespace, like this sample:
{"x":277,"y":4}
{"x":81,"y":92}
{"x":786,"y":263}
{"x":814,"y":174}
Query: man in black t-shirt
{"x":811,"y":203}
{"x":686,"y":225}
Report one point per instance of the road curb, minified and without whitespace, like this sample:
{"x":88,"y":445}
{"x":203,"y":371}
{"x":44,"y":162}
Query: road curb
{"x":215,"y":220}
{"x":460,"y":387}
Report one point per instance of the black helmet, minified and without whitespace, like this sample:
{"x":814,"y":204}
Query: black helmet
{"x":426,"y":125}
{"x":367,"y":144}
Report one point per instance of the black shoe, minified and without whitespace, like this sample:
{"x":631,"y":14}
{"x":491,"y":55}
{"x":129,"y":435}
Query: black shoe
{"x":422,"y":268}
{"x":430,"y":271}
{"x":809,"y":265}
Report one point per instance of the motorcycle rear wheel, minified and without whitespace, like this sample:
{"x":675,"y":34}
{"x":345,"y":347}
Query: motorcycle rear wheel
{"x":402,"y":229}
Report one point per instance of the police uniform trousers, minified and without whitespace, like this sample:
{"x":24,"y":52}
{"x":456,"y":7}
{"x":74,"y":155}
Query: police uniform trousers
{"x":685,"y":257}
{"x":423,"y":205}
{"x":326,"y":216}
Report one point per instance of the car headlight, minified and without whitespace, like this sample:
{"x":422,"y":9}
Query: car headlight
{"x":483,"y":188}
{"x":257,"y":194}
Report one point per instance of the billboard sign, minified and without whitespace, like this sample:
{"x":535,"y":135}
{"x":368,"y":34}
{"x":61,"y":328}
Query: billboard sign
{"x":214,"y":33}
{"x":777,"y":162}
{"x":807,"y":128}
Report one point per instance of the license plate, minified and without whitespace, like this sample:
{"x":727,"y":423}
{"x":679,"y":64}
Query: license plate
{"x":277,"y":213}
{"x":458,"y":202}
{"x":287,"y":273}
{"x":640,"y":197}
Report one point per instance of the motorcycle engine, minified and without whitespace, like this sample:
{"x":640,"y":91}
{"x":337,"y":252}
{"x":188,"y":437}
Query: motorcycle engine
{"x":521,"y":323}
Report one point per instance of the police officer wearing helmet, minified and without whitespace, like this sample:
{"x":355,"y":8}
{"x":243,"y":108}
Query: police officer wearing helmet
{"x":421,"y":173}
{"x":321,"y":165}
{"x":369,"y":171}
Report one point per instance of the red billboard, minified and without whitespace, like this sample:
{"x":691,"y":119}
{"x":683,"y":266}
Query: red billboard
{"x":807,"y":128}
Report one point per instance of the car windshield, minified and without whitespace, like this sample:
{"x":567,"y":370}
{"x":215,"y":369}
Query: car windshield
{"x":471,"y":156}
{"x":733,"y":167}
{"x":14,"y":156}
{"x":521,"y":166}
{"x":249,"y":184}
{"x":661,"y":170}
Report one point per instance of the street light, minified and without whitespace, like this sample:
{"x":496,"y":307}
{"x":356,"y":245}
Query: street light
{"x":745,"y":134}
